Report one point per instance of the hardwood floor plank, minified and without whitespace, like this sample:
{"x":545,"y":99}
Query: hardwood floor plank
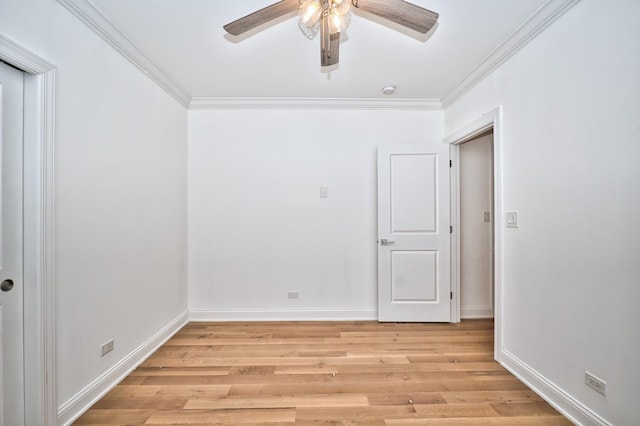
{"x":246,"y":416}
{"x":477,"y":356}
{"x":361,"y":388}
{"x":273,"y":361}
{"x":512,"y":397}
{"x":97,"y":416}
{"x":179,"y":391}
{"x":486,"y":421}
{"x":187,"y":371}
{"x":399,"y":398}
{"x":457,"y":410}
{"x":535,"y":408}
{"x":302,"y":369}
{"x":429,"y":367}
{"x":329,"y":401}
{"x":375,"y":413}
{"x":320,"y":373}
{"x":146,"y":403}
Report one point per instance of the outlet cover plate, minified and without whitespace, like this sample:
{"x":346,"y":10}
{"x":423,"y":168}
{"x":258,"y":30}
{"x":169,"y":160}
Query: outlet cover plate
{"x":595,"y":383}
{"x":107,"y":347}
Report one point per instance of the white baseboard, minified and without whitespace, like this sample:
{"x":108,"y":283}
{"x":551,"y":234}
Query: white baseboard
{"x":476,"y":312}
{"x":559,"y":399}
{"x":83,"y":400}
{"x":355,"y":314}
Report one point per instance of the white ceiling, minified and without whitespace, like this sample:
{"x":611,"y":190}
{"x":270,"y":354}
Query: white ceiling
{"x":185,"y":41}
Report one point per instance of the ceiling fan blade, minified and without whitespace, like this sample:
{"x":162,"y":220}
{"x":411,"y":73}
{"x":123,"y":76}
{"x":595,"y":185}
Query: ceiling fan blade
{"x":262,"y":16}
{"x":401,"y":12}
{"x":329,"y":43}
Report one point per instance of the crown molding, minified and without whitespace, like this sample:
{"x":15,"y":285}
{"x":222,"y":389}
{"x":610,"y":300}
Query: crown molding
{"x":24,"y":59}
{"x":315,"y":103}
{"x":534,"y":25}
{"x":89,"y":13}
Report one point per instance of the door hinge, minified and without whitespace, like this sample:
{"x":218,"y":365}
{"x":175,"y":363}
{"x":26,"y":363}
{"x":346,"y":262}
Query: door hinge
{"x":451,"y":229}
{"x":450,"y":295}
{"x":450,"y":163}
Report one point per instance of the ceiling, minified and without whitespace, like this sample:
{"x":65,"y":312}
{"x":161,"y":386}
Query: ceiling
{"x":186,"y":45}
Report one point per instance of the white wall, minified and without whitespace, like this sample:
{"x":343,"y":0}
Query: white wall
{"x":476,"y":263}
{"x":120,"y":195}
{"x":257,"y":225}
{"x":571,"y":139}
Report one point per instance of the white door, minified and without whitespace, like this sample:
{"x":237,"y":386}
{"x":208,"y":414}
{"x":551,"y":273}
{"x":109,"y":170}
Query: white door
{"x":11,"y":320}
{"x":413,"y":233}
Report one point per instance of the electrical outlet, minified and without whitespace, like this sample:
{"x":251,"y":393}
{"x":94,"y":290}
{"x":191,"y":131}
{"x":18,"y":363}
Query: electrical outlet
{"x":292,"y":295}
{"x":107,"y":347}
{"x":595,"y":383}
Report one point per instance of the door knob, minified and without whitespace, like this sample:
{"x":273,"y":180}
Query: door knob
{"x":385,"y":242}
{"x":6,"y":285}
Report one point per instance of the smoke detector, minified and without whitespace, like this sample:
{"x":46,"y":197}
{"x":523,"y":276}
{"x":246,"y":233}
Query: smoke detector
{"x":389,"y":90}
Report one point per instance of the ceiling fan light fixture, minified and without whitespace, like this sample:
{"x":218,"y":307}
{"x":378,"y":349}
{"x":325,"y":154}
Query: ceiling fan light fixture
{"x":310,"y":12}
{"x":338,"y":23}
{"x":340,"y":7}
{"x":309,"y":32}
{"x":331,"y":18}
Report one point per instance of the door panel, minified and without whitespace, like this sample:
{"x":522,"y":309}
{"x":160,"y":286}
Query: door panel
{"x":414,"y":275}
{"x":413,"y":211}
{"x":11,"y":300}
{"x":413,"y":233}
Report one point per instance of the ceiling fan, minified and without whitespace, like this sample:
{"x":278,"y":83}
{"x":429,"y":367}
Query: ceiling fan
{"x":331,"y":17}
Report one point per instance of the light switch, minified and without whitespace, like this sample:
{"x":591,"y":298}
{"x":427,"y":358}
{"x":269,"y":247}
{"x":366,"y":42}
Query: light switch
{"x":324,"y":192}
{"x":512,"y":219}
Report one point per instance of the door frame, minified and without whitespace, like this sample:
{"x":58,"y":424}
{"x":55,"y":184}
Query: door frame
{"x":492,"y":120}
{"x":38,"y":235}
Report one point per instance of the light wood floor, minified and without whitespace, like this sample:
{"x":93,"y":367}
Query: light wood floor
{"x":345,"y":373}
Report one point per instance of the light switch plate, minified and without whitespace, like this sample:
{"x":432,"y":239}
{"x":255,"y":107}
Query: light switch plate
{"x":486,"y":217}
{"x":324,"y":192}
{"x":512,"y":219}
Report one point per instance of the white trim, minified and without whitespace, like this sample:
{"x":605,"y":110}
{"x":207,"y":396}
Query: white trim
{"x":550,"y":392}
{"x":21,"y":57}
{"x":354,"y":314}
{"x":39,"y":331}
{"x":475,"y":312}
{"x":471,"y":130}
{"x":47,"y":125}
{"x":534,"y":25}
{"x":97,"y":21}
{"x":454,"y":202}
{"x":315,"y":103}
{"x":83,"y":400}
{"x":490,"y":120}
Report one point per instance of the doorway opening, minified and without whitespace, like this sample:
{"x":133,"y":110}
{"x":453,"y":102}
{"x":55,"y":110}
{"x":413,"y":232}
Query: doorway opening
{"x":475,"y":230}
{"x":489,"y":128}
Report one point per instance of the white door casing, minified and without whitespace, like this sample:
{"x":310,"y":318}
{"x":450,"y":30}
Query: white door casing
{"x":11,"y":251}
{"x":413,"y":233}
